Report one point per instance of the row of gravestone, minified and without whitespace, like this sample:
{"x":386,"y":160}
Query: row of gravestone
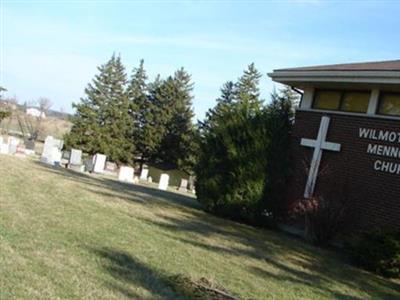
{"x":52,"y":155}
{"x":14,"y":146}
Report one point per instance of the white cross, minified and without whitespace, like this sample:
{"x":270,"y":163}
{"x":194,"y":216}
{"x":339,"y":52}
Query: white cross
{"x":319,"y":144}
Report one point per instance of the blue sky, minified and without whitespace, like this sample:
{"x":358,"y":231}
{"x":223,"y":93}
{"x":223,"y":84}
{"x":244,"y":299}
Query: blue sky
{"x":52,"y":48}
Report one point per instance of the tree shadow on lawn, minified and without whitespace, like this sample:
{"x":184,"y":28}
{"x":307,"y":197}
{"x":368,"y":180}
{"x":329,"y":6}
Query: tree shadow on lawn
{"x":126,"y":191}
{"x":294,"y":261}
{"x":321,"y":266}
{"x":130,"y":273}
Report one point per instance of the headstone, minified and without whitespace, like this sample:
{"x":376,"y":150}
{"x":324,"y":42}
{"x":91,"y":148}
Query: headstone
{"x":89,"y":164}
{"x":164,"y":180}
{"x":110,"y":167}
{"x":13,"y":145}
{"x":52,"y":151}
{"x":150,"y":179}
{"x":56,"y":155}
{"x":4,"y":148}
{"x":126,"y":174}
{"x":144,"y":174}
{"x":183,"y":185}
{"x":75,"y":157}
{"x":135,"y":179}
{"x":99,"y":161}
{"x":29,"y":152}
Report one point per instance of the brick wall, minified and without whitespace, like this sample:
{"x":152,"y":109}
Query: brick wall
{"x":374,"y":196}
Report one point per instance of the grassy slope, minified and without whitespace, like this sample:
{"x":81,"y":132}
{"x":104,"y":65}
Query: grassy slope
{"x":68,"y":235}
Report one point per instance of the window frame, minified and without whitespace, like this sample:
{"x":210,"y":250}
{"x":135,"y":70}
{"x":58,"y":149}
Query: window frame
{"x":380,"y":101}
{"x":341,"y":100}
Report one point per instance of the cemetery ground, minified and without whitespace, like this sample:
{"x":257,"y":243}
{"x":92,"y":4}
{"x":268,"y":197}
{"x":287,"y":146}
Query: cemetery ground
{"x":68,"y":235}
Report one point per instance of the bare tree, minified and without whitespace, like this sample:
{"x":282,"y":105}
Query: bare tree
{"x":44,"y":104}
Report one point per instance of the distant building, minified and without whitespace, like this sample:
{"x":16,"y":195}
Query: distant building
{"x":35,"y":113}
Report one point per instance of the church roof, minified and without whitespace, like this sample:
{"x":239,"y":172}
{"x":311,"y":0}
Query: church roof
{"x":366,"y":74}
{"x":388,"y":65}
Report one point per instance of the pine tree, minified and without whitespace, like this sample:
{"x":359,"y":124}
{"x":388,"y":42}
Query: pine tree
{"x":102,"y":122}
{"x":279,"y":121}
{"x":224,"y":103}
{"x":247,"y":91}
{"x":178,"y":142}
{"x":140,"y":111}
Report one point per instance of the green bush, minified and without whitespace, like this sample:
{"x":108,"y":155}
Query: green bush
{"x":377,"y":251}
{"x":231,"y":168}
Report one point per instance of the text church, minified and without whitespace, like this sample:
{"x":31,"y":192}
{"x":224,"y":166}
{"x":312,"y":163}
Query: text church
{"x":346,"y":137}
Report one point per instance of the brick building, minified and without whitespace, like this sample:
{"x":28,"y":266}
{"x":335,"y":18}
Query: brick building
{"x":346,"y":138}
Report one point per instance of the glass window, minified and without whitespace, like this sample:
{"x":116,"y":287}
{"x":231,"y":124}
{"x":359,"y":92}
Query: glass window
{"x":389,"y":104}
{"x":355,"y":102}
{"x":329,"y":100}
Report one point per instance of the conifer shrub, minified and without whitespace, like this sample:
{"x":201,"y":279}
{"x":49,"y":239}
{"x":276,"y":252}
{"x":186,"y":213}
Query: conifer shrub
{"x":243,"y":159}
{"x":377,"y":251}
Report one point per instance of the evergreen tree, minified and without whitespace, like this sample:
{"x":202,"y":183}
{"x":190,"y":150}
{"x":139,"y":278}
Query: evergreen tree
{"x":102,"y":122}
{"x":178,"y":143}
{"x":247,"y":89}
{"x":141,"y":111}
{"x":279,"y":115}
{"x":231,"y":166}
{"x":224,"y":102}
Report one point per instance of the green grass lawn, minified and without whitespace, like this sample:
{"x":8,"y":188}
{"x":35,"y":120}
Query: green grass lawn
{"x":65,"y":235}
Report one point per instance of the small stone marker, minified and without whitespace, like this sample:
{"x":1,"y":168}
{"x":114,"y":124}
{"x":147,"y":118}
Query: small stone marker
{"x":13,"y":145}
{"x":4,"y":148}
{"x":75,"y":157}
{"x":183,"y":185}
{"x":99,"y":161}
{"x":52,"y":151}
{"x":144,"y":174}
{"x":126,"y":174}
{"x":135,"y":179}
{"x":150,"y":179}
{"x":164,"y":180}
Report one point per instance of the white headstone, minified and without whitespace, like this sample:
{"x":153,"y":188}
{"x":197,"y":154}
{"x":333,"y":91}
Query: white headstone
{"x":13,"y":144}
{"x":164,"y":180}
{"x":52,"y":151}
{"x":47,"y":149}
{"x":126,"y":174}
{"x":99,"y":161}
{"x":135,"y":179}
{"x":149,"y":179}
{"x":144,"y":174}
{"x":183,"y":185}
{"x":75,"y":157}
{"x":4,"y":148}
{"x":56,"y":155}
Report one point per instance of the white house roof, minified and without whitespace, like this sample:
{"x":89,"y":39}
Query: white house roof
{"x":379,"y":73}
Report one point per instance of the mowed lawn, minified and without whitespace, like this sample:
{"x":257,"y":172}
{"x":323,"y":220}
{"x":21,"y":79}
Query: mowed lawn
{"x":66,"y":235}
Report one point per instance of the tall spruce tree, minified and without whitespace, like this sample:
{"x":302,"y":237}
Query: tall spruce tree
{"x":141,"y":111}
{"x":102,"y":122}
{"x":247,"y":91}
{"x":178,"y":143}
